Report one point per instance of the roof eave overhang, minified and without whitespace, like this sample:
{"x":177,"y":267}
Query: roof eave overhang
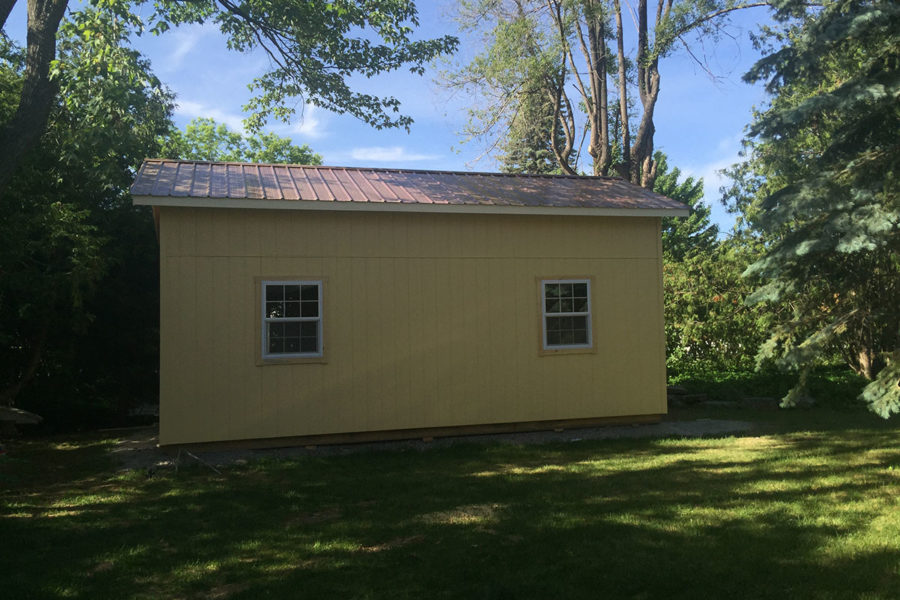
{"x":257,"y":204}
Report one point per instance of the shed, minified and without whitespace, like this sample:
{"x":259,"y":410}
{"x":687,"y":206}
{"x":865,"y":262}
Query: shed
{"x":310,"y":304}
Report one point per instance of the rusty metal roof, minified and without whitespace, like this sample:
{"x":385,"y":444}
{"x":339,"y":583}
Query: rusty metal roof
{"x":177,"y":182}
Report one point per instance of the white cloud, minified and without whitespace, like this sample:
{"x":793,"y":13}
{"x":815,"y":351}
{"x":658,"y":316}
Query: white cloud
{"x":183,"y":40}
{"x":191,"y":110}
{"x":310,"y":124}
{"x":389,"y":154}
{"x":727,"y":151}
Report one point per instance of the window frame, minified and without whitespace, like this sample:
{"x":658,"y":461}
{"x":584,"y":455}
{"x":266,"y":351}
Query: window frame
{"x":589,"y":346}
{"x":266,"y":357}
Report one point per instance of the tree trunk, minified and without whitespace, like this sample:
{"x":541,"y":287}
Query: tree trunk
{"x":599,"y":144}
{"x":563,"y":119}
{"x":643,"y":167}
{"x":9,"y":394}
{"x":864,"y":363}
{"x":625,"y":170}
{"x":22,"y":132}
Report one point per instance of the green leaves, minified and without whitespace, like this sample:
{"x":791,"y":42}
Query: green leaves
{"x":204,"y":139}
{"x":828,"y":149}
{"x":314,"y":47}
{"x":66,"y":219}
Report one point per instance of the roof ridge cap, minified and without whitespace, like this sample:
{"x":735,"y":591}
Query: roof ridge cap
{"x":390,"y":169}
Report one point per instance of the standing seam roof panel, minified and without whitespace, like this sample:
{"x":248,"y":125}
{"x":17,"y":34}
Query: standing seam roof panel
{"x":200,"y":185}
{"x":320,"y":189}
{"x":351,"y":186}
{"x":287,"y":183}
{"x":199,"y":179}
{"x":164,"y":179}
{"x":184,"y":177}
{"x":338,"y":192}
{"x":252,"y":182}
{"x":387,"y":194}
{"x":235,"y":181}
{"x":269,"y":183}
{"x":361,"y":181}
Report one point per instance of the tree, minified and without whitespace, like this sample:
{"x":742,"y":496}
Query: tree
{"x":822,"y":192}
{"x":314,"y":48}
{"x":78,"y":261}
{"x":560,"y":51}
{"x":688,"y":236}
{"x":204,"y":139}
{"x":708,"y":327}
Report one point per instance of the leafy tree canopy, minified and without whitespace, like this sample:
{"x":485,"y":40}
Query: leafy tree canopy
{"x":822,"y":191}
{"x":708,"y":326}
{"x":75,"y":252}
{"x":314,"y":47}
{"x":557,"y":79}
{"x":205,"y":139}
{"x":688,"y":236}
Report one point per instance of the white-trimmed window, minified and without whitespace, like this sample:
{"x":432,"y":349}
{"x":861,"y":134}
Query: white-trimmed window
{"x":566,"y":313}
{"x":291,"y":319}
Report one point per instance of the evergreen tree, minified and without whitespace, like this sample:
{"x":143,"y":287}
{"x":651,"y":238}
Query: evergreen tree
{"x":822,"y":171}
{"x":683,"y":237}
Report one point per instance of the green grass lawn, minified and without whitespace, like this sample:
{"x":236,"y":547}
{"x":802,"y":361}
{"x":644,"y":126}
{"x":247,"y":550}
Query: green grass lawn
{"x":806,"y":507}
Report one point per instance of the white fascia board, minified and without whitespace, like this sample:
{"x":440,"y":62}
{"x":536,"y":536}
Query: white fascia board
{"x":336,"y":205}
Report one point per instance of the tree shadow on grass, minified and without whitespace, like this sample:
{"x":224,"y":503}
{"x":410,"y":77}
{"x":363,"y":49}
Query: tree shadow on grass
{"x":807,"y":515}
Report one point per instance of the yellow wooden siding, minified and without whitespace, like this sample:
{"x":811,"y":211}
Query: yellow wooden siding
{"x":430,"y":320}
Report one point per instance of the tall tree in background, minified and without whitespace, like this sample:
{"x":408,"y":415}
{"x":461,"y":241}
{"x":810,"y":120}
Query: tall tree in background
{"x":314,"y":48}
{"x":205,"y":139}
{"x":708,"y":326}
{"x":77,"y":259}
{"x":561,"y":51}
{"x":821,"y":187}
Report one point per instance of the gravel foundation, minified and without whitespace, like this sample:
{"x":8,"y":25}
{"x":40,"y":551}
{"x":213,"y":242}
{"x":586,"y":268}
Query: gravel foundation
{"x":138,"y":448}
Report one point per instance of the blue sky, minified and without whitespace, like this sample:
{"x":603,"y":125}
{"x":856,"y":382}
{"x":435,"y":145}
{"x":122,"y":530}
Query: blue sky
{"x":699,"y":120}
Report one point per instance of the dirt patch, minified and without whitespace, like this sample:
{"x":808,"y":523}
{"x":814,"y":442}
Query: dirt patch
{"x":220,"y":592}
{"x":395,"y":543}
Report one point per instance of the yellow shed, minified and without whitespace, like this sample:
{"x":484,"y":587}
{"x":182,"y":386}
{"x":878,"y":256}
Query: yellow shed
{"x":305,"y":304}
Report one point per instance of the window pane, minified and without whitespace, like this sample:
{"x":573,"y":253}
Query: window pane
{"x":552,"y":306}
{"x":566,"y":305}
{"x":292,"y":309}
{"x":274,"y":292}
{"x":565,"y":323}
{"x":579,"y":322}
{"x":309,"y":292}
{"x":276,"y":330}
{"x":292,"y":344}
{"x":581,"y":304}
{"x":565,"y":290}
{"x":310,"y":308}
{"x":309,"y":344}
{"x":276,"y":345}
{"x":581,"y":336}
{"x":580,"y":290}
{"x":292,"y":292}
{"x":551,"y":290}
{"x":566,"y":337}
{"x":552,"y":324}
{"x":292,"y":329}
{"x":552,"y":338}
{"x":274,"y":309}
{"x":309,"y":329}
